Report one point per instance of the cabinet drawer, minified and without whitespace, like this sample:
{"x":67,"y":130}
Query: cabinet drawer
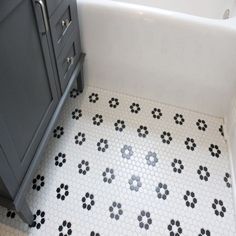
{"x":63,"y":22}
{"x":68,"y":59}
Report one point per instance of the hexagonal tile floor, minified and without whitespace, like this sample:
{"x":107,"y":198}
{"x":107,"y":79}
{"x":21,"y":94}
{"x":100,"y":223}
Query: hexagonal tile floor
{"x":120,"y":165}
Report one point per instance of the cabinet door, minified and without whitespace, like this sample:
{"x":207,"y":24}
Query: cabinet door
{"x":28,"y":95}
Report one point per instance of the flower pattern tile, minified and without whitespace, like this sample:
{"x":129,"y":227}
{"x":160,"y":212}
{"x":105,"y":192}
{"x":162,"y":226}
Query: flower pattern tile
{"x":146,"y":169}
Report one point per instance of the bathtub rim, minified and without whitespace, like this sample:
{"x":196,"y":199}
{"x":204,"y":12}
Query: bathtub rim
{"x":145,"y":10}
{"x":175,"y":11}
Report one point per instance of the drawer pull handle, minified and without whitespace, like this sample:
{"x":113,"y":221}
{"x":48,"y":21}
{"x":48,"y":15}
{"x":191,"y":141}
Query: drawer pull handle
{"x":70,"y":60}
{"x":65,"y":23}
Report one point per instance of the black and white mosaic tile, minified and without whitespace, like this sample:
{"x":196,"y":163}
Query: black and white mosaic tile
{"x":120,"y":165}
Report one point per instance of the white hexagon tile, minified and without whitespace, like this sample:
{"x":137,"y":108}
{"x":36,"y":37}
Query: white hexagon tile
{"x":120,"y":165}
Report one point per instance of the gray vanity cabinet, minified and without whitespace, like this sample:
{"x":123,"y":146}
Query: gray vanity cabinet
{"x":28,"y":102}
{"x":35,"y":78}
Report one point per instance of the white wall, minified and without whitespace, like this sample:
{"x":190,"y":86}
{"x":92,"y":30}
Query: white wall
{"x":169,"y":57}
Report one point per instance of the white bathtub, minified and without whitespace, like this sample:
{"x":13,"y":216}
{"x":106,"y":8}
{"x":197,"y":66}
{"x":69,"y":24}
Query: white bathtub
{"x":179,"y":52}
{"x":162,"y":55}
